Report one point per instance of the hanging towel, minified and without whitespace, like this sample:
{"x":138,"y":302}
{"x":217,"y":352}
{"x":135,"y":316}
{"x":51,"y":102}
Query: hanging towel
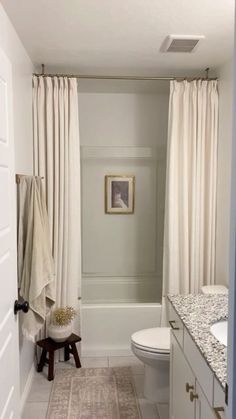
{"x":35,"y":263}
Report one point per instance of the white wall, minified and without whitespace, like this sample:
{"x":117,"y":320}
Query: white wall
{"x":123,"y":133}
{"x":225,"y":74}
{"x":22,"y":101}
{"x":123,"y":119}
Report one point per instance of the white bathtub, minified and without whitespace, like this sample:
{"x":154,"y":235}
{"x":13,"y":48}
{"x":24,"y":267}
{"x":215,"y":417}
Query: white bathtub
{"x":106,"y":328}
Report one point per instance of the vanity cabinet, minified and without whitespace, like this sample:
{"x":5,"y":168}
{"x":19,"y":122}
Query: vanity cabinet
{"x":187,"y":399}
{"x":182,"y":380}
{"x":203,"y":409}
{"x":194,"y":391}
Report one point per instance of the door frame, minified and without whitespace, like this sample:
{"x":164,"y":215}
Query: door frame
{"x":231,"y":350}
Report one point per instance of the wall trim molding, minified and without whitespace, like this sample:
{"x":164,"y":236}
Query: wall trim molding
{"x":122,"y":152}
{"x":124,"y":290}
{"x":131,"y":279}
{"x":117,"y":302}
{"x":27,"y":388}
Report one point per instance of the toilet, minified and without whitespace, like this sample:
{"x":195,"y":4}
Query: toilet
{"x":152,"y":347}
{"x":214,"y":289}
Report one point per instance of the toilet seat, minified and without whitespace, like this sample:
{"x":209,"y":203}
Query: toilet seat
{"x":151,"y":350}
{"x":154,"y":340}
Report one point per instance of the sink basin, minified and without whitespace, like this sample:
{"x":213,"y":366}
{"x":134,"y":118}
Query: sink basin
{"x":219,"y":330}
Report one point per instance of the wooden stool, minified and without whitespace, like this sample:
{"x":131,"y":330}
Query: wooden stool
{"x":51,"y":346}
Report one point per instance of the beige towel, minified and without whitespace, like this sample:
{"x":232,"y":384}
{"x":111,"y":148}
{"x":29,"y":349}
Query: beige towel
{"x":35,"y":262}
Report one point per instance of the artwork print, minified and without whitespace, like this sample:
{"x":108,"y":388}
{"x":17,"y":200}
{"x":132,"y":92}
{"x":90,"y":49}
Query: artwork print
{"x":119,"y":194}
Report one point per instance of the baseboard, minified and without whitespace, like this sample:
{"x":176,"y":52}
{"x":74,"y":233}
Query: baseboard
{"x":27,"y":388}
{"x":106,"y":352}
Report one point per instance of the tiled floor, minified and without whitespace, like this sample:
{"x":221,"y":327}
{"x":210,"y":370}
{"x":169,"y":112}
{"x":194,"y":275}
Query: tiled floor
{"x":37,"y":402}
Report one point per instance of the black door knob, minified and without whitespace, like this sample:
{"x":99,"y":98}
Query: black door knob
{"x":24,"y":306}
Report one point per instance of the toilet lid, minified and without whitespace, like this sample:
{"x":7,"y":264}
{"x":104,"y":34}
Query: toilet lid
{"x":156,"y":339}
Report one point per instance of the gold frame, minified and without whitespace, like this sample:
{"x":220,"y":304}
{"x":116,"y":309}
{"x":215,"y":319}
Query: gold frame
{"x":106,"y":195}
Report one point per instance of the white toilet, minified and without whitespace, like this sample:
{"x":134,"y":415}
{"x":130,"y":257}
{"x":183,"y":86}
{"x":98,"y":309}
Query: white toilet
{"x":152,"y":347}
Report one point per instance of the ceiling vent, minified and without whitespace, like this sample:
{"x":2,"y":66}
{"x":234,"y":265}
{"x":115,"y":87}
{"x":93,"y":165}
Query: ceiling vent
{"x":181,"y":43}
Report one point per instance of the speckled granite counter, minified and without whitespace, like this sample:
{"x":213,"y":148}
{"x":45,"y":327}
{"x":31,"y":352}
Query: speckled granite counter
{"x":198,"y":313}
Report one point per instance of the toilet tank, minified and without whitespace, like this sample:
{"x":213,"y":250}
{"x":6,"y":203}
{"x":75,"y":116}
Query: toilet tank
{"x":214,"y":289}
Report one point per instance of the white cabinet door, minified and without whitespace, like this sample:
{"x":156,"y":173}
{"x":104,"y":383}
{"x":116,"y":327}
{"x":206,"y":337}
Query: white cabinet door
{"x":203,"y":409}
{"x":219,"y":399}
{"x":9,"y":351}
{"x":180,"y":375}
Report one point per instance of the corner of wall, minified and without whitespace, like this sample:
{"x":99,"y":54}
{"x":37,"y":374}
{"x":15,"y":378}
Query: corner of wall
{"x":225,"y":74}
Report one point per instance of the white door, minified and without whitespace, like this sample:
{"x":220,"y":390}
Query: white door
{"x":9,"y":346}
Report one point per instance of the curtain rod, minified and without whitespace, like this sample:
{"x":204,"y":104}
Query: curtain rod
{"x":103,"y":77}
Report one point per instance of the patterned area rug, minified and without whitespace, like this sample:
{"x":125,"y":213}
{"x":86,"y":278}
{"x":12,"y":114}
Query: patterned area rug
{"x":93,"y":393}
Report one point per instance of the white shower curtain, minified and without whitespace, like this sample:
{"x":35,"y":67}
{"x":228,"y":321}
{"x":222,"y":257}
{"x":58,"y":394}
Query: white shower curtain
{"x":57,"y":159}
{"x":190,"y":209}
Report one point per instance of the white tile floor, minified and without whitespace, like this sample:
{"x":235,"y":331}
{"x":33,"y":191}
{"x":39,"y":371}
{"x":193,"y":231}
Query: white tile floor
{"x":37,"y":402}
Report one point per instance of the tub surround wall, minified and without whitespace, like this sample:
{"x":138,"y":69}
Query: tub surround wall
{"x":123,"y":133}
{"x":22,"y":69}
{"x":122,"y":254}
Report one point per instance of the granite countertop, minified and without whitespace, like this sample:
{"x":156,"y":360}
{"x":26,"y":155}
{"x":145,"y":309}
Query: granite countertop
{"x":198,"y":312}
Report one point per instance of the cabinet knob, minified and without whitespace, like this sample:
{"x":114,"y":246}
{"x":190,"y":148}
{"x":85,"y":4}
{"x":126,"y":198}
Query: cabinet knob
{"x":217,"y":410}
{"x":172,"y":325}
{"x":193,"y":396}
{"x":188,"y":387}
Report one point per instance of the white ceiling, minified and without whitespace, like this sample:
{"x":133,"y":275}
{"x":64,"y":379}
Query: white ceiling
{"x":122,"y":36}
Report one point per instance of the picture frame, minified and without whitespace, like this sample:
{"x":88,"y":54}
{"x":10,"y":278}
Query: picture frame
{"x":119,"y":194}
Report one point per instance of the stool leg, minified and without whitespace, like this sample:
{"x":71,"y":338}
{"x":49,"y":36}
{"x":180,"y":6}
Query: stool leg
{"x":42,"y":360}
{"x":51,"y":366}
{"x":67,"y":353}
{"x":76,"y":356}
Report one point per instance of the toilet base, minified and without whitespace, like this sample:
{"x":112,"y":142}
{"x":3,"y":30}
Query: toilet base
{"x":156,"y":382}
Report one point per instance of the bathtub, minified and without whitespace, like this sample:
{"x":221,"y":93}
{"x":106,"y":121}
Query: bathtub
{"x":106,"y":328}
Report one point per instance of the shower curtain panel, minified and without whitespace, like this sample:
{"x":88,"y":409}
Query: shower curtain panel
{"x":57,"y":159}
{"x":191,"y":180}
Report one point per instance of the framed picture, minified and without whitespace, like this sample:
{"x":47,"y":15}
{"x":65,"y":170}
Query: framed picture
{"x":119,"y":194}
